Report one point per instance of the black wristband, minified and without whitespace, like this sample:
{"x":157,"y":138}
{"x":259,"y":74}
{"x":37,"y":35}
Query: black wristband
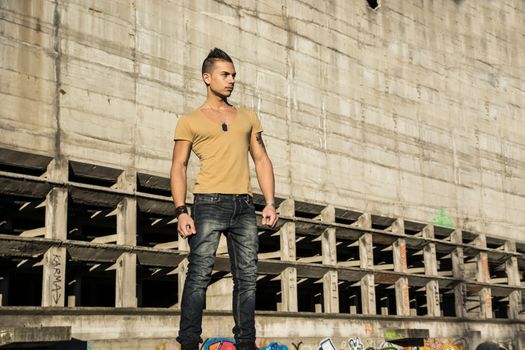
{"x":180,"y":210}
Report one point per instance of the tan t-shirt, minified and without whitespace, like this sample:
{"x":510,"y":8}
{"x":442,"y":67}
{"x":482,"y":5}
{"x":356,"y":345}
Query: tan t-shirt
{"x":223,"y":154}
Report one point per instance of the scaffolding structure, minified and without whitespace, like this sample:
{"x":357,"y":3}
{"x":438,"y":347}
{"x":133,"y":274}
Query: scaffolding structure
{"x":78,"y":234}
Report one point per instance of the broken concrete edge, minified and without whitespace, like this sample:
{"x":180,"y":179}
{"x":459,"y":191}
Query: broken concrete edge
{"x":407,"y":337}
{"x":11,"y":335}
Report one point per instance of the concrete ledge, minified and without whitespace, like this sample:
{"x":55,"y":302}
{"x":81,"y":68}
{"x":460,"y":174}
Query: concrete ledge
{"x":13,"y":335}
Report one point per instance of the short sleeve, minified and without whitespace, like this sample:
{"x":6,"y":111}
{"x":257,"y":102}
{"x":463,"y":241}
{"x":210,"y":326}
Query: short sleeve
{"x":256,"y":123}
{"x":183,"y":130}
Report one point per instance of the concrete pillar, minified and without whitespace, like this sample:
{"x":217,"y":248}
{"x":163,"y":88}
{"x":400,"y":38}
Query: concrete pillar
{"x":126,"y":277}
{"x":126,"y":266}
{"x":289,"y":290}
{"x":399,"y":252}
{"x":4,"y":289}
{"x":483,"y":275}
{"x":54,"y":277}
{"x":430,"y":260}
{"x":127,"y":222}
{"x":458,"y":272}
{"x":288,"y":253}
{"x":54,"y":262}
{"x":329,"y":253}
{"x":513,"y":276}
{"x":366,"y":261}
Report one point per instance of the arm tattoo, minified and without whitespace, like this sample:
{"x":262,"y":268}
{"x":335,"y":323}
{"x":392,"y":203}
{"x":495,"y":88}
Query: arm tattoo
{"x":259,"y":139}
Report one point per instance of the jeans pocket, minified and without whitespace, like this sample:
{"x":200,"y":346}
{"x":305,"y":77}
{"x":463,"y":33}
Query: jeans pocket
{"x":248,"y":200}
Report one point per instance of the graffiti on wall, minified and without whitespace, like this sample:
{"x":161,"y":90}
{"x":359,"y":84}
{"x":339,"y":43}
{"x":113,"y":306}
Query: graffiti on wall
{"x":218,"y":344}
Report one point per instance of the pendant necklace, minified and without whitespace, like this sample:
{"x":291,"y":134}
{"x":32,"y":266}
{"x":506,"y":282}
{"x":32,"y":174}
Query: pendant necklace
{"x":223,"y":124}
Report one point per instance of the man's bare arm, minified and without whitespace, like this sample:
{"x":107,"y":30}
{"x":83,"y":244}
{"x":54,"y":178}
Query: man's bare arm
{"x":179,"y":165}
{"x":265,"y":177}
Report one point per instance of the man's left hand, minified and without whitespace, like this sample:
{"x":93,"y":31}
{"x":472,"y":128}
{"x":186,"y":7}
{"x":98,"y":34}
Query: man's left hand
{"x":269,"y":216}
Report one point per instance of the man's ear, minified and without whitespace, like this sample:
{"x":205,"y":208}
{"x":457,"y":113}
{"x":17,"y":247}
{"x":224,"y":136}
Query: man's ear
{"x":206,"y":77}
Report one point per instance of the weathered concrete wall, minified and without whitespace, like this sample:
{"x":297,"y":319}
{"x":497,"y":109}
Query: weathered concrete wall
{"x":401,"y":112}
{"x":150,"y":328}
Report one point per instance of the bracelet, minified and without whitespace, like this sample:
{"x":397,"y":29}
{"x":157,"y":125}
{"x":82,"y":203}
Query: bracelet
{"x":271,"y":203}
{"x":180,"y":210}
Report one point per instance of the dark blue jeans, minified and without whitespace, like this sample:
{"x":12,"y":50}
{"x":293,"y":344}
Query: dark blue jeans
{"x":235,"y":216}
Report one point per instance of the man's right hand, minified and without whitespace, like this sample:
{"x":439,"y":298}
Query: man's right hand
{"x":185,"y":226}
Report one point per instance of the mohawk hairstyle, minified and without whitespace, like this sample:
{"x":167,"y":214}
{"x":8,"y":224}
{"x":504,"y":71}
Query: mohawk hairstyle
{"x":214,"y":56}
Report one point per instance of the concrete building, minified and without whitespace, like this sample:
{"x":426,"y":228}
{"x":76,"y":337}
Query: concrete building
{"x":396,"y":136}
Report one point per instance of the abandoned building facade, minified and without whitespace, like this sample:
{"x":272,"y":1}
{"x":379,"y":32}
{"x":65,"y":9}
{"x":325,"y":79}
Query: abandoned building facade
{"x":397,"y":141}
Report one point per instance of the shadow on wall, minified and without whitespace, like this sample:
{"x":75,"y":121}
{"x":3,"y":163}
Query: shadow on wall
{"x":489,"y":346}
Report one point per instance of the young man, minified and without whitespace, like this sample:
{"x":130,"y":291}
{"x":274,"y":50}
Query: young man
{"x":221,"y":136}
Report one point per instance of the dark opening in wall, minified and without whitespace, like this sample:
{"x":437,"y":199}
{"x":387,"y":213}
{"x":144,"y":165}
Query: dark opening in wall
{"x":415,"y":261}
{"x":269,"y":245}
{"x":21,"y":282}
{"x":157,"y":287}
{"x":383,"y":258}
{"x":23,"y":163}
{"x":268,"y":293}
{"x":350,"y":298}
{"x":97,"y":287}
{"x":374,"y":4}
{"x":500,"y":306}
{"x":447,"y":302}
{"x":418,"y":301}
{"x":155,"y":229}
{"x":152,"y":184}
{"x":348,"y":253}
{"x":309,"y":295}
{"x":385,"y":299}
{"x":89,"y":222}
{"x":90,"y":284}
{"x":23,"y":216}
{"x":308,"y":249}
{"x":93,"y":174}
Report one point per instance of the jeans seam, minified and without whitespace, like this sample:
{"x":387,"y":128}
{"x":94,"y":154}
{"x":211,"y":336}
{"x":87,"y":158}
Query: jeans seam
{"x":236,"y":276}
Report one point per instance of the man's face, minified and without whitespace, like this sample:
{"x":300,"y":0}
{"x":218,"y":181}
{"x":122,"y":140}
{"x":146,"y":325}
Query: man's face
{"x":221,"y":79}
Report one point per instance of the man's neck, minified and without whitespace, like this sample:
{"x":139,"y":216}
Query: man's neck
{"x":216,"y":102}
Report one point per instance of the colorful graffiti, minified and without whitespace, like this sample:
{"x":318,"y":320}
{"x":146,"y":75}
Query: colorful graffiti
{"x":443,"y":219}
{"x":355,"y":344}
{"x":326,"y":344}
{"x":274,"y":346}
{"x":218,"y":344}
